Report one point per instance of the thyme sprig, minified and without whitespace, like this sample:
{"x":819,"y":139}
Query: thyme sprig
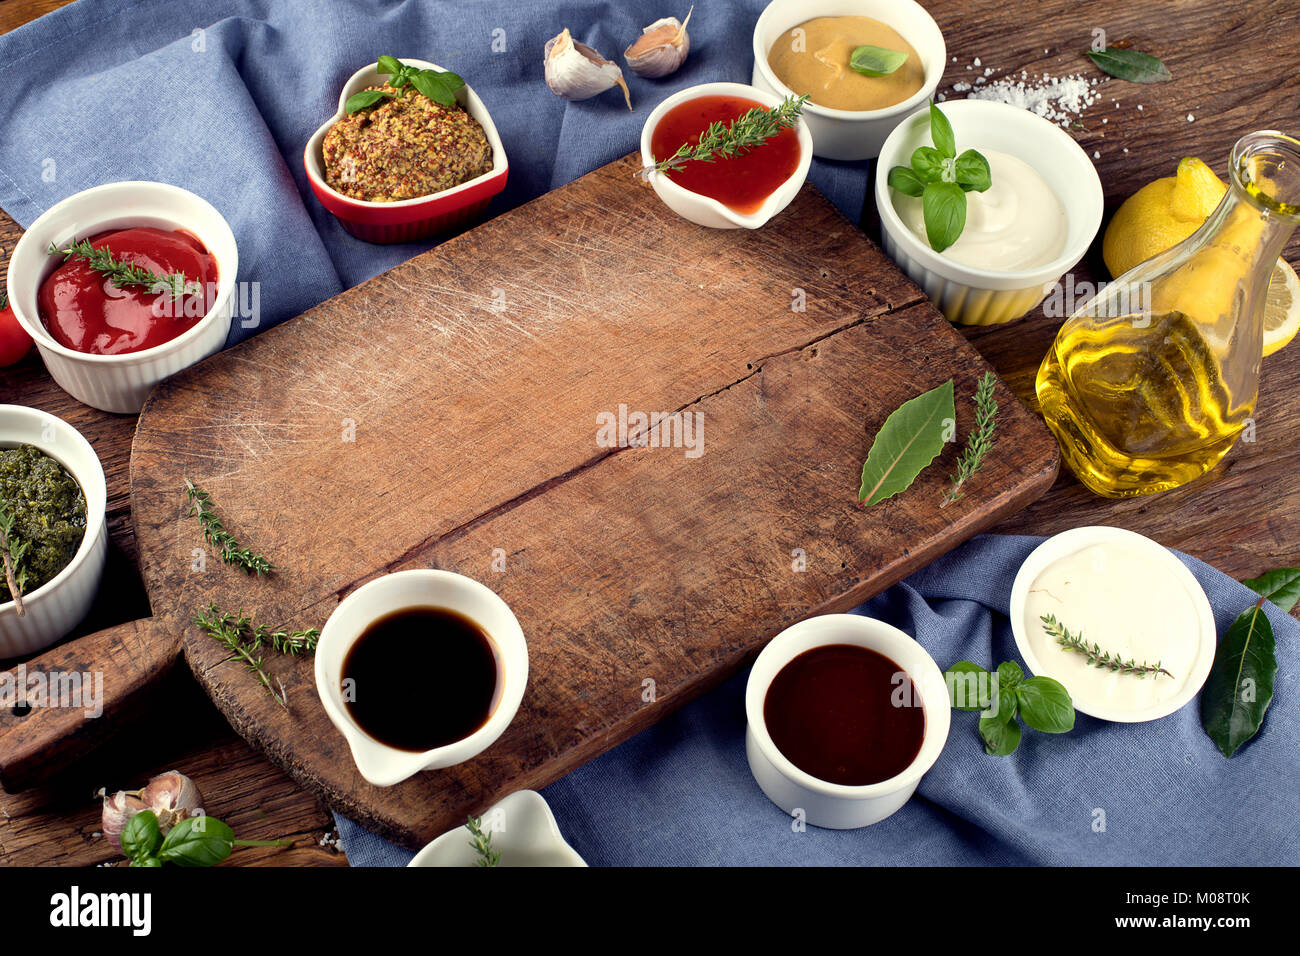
{"x":215,"y":534}
{"x":238,"y":634}
{"x":727,"y":140}
{"x":980,"y":441}
{"x":482,"y":844}
{"x":122,"y":274}
{"x":13,"y":551}
{"x":1096,"y":656}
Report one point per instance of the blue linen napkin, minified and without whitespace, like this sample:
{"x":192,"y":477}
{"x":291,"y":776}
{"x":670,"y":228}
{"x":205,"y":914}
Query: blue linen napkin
{"x":220,"y":96}
{"x":681,"y":792}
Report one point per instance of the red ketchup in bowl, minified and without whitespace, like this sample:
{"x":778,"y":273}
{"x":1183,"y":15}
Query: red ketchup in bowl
{"x":84,"y":310}
{"x":739,"y":182}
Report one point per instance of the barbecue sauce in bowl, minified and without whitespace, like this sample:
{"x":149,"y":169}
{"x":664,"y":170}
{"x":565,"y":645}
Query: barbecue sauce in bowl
{"x":845,"y":714}
{"x":421,"y":678}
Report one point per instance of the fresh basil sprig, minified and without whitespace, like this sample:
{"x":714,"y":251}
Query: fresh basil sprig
{"x":941,"y":179}
{"x":1043,"y":703}
{"x":195,"y":841}
{"x":438,"y":86}
{"x":876,"y":60}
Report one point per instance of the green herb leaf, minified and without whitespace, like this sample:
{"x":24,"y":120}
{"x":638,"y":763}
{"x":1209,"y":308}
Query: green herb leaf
{"x":876,"y":61}
{"x":197,"y":841}
{"x":1045,"y":705}
{"x":905,"y":181}
{"x":972,"y":171}
{"x":1281,"y":586}
{"x":1240,"y":686}
{"x":910,"y":439}
{"x":941,"y":133}
{"x":944,"y":205}
{"x":1009,"y":675}
{"x":439,"y":87}
{"x":969,"y":687}
{"x":1001,"y":738}
{"x":366,"y":98}
{"x":141,"y":838}
{"x":390,"y":65}
{"x":927,"y":162}
{"x":1130,"y":65}
{"x":1006,"y":700}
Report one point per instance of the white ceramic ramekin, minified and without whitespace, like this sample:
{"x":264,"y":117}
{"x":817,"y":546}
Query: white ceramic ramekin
{"x":523,"y":831}
{"x":709,"y":212}
{"x":55,"y":608}
{"x":852,"y":134}
{"x":407,"y":219}
{"x":120,"y":383}
{"x":1077,"y":539}
{"x":383,"y":765}
{"x":964,"y":293}
{"x":831,"y":805}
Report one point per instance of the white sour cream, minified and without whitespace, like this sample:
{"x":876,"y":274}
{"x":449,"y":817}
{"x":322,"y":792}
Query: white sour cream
{"x":1115,"y":595}
{"x":1017,"y":223}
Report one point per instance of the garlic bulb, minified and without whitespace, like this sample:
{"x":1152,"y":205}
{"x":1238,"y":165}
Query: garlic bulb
{"x":576,"y":71}
{"x":172,"y":797}
{"x":661,"y":48}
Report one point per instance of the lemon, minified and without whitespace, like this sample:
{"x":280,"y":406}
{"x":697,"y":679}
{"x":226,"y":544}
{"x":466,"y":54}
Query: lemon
{"x":1281,"y":308}
{"x":1161,"y":214}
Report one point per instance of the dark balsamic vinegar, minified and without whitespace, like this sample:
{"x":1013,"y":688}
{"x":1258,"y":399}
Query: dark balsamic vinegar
{"x":833,"y":712}
{"x":420,"y":678}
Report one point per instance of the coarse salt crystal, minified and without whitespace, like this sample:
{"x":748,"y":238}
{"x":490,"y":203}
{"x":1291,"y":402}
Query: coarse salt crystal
{"x":976,"y":62}
{"x":1057,"y":99}
{"x":1096,"y":155}
{"x":1139,"y":107}
{"x":1190,"y":117}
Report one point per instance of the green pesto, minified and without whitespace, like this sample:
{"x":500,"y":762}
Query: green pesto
{"x":49,"y":512}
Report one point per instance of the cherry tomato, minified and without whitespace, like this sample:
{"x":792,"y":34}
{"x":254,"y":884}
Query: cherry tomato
{"x":14,"y":340}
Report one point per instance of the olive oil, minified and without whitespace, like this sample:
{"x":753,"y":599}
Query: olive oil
{"x":1138,"y":404}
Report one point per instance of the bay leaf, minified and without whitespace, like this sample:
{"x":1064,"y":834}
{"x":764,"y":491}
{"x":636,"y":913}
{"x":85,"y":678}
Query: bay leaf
{"x":1130,"y":65}
{"x":1281,"y":586}
{"x":1240,"y":686}
{"x":910,"y":439}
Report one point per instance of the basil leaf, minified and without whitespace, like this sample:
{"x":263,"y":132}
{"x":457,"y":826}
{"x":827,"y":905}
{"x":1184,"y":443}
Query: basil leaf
{"x":969,"y":686}
{"x":1009,"y":675}
{"x":359,"y":101}
{"x":910,"y":439}
{"x":927,"y":163}
{"x":1282,"y":586}
{"x":390,"y":65}
{"x":1045,"y":705}
{"x":941,"y":133}
{"x":439,"y":87}
{"x":1000,"y":738}
{"x":973,"y":172}
{"x":1130,"y":65}
{"x":905,"y":181}
{"x":197,"y":841}
{"x":141,"y":837}
{"x":1006,"y":699}
{"x":876,"y":61}
{"x":944,"y":206}
{"x":1240,"y":686}
{"x":148,"y":861}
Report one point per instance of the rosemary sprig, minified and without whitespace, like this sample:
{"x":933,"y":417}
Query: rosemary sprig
{"x":12,"y":552}
{"x":980,"y":441}
{"x":736,"y":138}
{"x":482,"y":844}
{"x":215,"y":533}
{"x":121,"y":274}
{"x":237,"y":633}
{"x":1096,"y":656}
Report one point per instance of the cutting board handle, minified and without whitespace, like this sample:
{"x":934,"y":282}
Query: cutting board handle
{"x":90,"y":687}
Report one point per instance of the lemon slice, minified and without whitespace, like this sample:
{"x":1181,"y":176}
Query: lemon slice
{"x":1281,"y":308}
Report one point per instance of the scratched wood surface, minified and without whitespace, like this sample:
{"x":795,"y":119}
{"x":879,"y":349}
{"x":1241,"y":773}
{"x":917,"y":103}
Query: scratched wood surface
{"x":1244,"y":517}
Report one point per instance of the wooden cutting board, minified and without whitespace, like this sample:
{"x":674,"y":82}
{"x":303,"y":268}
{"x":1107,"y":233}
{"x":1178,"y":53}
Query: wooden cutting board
{"x":446,"y":414}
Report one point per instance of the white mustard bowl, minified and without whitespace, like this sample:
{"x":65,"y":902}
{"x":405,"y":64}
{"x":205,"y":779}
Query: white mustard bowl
{"x":831,"y":805}
{"x":379,"y":763}
{"x":54,"y":609}
{"x":966,"y":294}
{"x":1078,"y":539}
{"x":523,"y":831}
{"x":120,"y":383}
{"x":703,"y":210}
{"x":852,"y":134}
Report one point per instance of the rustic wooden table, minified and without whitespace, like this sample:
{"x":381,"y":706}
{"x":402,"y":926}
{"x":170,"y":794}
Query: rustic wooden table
{"x":1244,"y":517}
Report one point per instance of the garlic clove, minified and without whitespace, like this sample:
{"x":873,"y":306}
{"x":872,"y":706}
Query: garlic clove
{"x":173,"y":797}
{"x":117,"y":812}
{"x":661,"y":48}
{"x":576,"y":71}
